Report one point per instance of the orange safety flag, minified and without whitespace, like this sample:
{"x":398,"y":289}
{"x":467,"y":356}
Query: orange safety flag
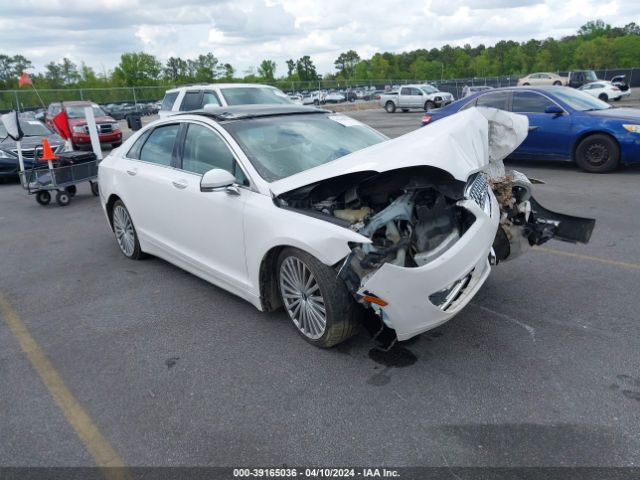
{"x":47,"y":152}
{"x":24,"y":80}
{"x":61,"y":122}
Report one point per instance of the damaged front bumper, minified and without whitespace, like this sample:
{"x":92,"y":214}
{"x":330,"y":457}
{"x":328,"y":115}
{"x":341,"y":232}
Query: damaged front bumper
{"x":421,"y":298}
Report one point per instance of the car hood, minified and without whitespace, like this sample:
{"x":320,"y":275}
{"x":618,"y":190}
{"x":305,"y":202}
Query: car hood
{"x":83,"y":121}
{"x":31,"y":142}
{"x":622,"y":113}
{"x":461,"y":144}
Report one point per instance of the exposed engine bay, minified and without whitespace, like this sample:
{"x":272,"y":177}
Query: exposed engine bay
{"x":413,"y":215}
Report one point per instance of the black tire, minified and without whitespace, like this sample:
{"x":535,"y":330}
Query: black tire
{"x":557,"y":83}
{"x":617,"y":99}
{"x":342,"y":314}
{"x":316,"y":102}
{"x":405,"y":110}
{"x":525,"y":84}
{"x":598,"y":153}
{"x":71,"y":190}
{"x":63,"y":198}
{"x":390,"y":107}
{"x":603,"y":97}
{"x":43,"y":197}
{"x":136,"y":252}
{"x":429,"y":105}
{"x":94,"y":188}
{"x":116,"y":145}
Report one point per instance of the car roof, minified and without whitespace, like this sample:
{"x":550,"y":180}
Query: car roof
{"x":78,"y":103}
{"x":240,"y":112}
{"x":220,"y":85}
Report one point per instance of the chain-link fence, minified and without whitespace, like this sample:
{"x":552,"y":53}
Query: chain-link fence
{"x":27,"y":99}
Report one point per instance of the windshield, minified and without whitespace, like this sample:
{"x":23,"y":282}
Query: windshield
{"x":30,"y":128}
{"x":590,"y":75}
{"x":579,"y":100}
{"x":428,"y":89}
{"x":252,"y":96}
{"x":78,"y":112}
{"x":285,"y":145}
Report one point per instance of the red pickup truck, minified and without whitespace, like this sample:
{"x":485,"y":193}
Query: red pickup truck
{"x":108,"y":129}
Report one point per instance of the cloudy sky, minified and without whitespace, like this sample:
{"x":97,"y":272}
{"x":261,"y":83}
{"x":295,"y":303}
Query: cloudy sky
{"x":244,"y":32}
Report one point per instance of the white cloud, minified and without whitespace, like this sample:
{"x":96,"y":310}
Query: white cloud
{"x":244,"y":32}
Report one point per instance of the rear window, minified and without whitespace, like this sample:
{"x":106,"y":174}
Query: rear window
{"x":168,"y":100}
{"x":253,"y":96}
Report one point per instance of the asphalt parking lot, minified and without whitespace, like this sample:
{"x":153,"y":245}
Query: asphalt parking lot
{"x":542,"y":369}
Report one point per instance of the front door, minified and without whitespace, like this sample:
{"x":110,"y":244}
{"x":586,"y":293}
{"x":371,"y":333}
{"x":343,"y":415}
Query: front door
{"x":549,"y":134}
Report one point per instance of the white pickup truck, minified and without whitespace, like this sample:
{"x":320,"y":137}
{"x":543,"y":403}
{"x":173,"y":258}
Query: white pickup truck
{"x":423,"y":96}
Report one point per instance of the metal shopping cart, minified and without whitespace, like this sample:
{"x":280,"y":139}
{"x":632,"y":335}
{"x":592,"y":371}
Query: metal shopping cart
{"x":60,"y":175}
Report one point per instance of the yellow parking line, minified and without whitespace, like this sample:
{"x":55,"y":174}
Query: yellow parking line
{"x":87,"y":431}
{"x":633,"y":266}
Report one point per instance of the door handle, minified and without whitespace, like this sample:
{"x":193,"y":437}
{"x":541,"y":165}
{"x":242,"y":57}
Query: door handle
{"x":132,"y":171}
{"x":179,"y":184}
{"x":533,"y":127}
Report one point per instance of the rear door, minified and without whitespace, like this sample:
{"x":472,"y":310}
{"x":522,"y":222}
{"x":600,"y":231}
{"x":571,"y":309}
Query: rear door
{"x":549,"y":134}
{"x":147,"y":174}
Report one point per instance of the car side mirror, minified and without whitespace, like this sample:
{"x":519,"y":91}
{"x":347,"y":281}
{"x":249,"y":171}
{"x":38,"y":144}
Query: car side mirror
{"x":217,"y":179}
{"x":554,"y":110}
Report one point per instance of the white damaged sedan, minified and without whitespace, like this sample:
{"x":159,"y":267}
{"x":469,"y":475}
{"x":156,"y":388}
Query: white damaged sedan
{"x":295,"y":207}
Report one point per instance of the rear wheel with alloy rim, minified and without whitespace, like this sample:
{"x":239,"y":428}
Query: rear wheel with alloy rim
{"x":315,"y":299}
{"x":125,"y":232}
{"x":597,"y":153}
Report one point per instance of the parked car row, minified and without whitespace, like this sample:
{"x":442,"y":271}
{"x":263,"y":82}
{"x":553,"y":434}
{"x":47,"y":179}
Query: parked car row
{"x":585,"y":80}
{"x":120,"y":111}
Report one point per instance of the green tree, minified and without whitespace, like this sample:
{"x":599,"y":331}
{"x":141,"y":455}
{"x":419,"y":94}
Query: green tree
{"x":380,"y":67}
{"x":176,"y":69}
{"x":346,"y":63}
{"x":69,"y":71}
{"x":267,"y":70}
{"x":137,"y":69}
{"x":306,"y":69}
{"x":291,"y":67}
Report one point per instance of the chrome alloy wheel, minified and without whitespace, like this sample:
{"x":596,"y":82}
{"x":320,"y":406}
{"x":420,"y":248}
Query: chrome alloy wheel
{"x":302,"y":298}
{"x":123,"y":228}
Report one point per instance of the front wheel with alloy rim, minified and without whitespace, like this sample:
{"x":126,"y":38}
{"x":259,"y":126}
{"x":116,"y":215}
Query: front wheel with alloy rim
{"x":597,"y":153}
{"x":315,"y":299}
{"x":429,"y":105}
{"x":125,"y":232}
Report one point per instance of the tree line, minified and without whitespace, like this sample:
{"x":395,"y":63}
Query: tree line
{"x":595,"y":45}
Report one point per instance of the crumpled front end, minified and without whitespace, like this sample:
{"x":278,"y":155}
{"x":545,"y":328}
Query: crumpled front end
{"x":431,"y":227}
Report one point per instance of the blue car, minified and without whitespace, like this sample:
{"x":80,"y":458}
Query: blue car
{"x":564,"y":124}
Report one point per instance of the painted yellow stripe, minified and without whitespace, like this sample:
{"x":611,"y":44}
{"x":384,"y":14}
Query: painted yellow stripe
{"x":615,"y":263}
{"x":88,"y":433}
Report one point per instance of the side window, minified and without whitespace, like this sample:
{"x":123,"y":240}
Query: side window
{"x":529,"y":102}
{"x":159,"y":145}
{"x":190,"y":101}
{"x":210,"y":98}
{"x":134,"y":151}
{"x":405,"y":91}
{"x":469,"y":105}
{"x":495,"y":100}
{"x":416,"y":91}
{"x":204,"y":150}
{"x":168,"y":100}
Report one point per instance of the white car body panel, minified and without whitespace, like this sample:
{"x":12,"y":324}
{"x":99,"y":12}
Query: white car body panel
{"x":225,"y":238}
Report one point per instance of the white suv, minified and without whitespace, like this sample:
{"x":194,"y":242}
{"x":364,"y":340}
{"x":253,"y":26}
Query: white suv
{"x":195,"y":97}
